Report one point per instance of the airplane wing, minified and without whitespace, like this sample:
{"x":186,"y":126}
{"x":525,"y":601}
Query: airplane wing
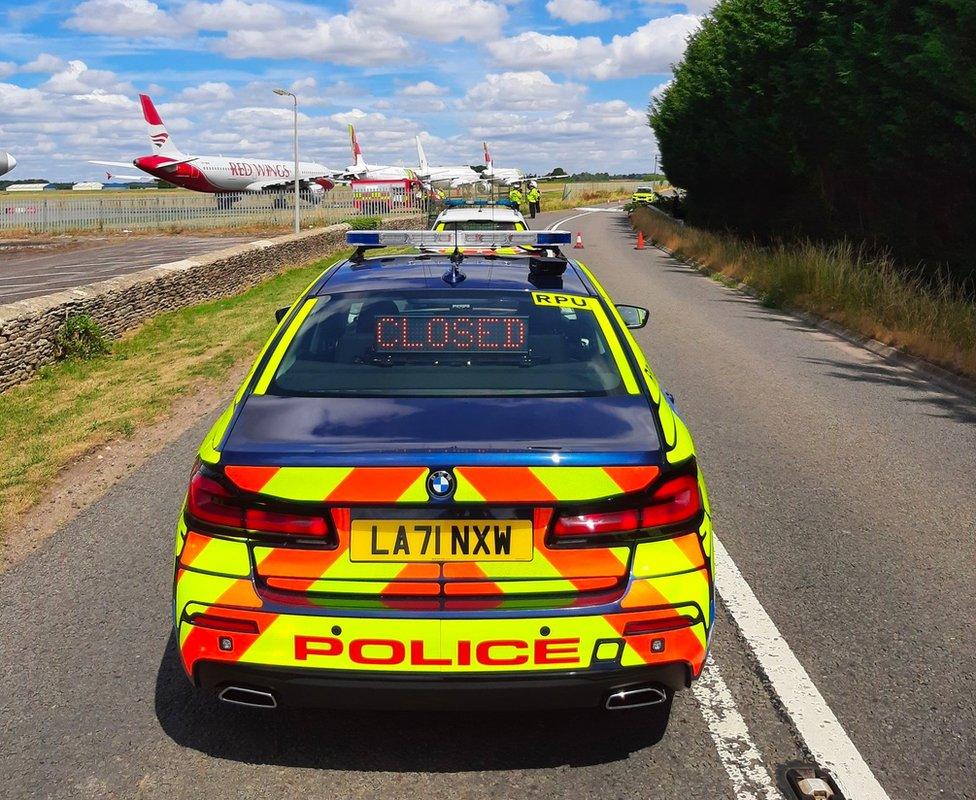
{"x":331,"y":179}
{"x":113,"y":176}
{"x":126,"y":164}
{"x":457,"y":183}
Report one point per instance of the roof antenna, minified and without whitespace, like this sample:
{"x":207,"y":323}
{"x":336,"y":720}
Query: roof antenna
{"x":454,"y":276}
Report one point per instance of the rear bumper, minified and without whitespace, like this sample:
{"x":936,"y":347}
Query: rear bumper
{"x":350,"y":690}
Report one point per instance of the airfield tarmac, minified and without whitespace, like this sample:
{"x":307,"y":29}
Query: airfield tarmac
{"x":31,"y":268}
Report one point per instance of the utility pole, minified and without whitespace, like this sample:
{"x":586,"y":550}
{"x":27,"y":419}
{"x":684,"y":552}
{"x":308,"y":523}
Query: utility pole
{"x":285,"y":93}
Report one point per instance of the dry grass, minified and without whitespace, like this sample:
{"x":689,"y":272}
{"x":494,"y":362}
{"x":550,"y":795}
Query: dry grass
{"x":840,"y":283}
{"x":554,"y":201}
{"x":74,"y":406}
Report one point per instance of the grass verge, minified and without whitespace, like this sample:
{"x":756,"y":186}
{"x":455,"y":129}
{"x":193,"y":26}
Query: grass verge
{"x":76,"y":405}
{"x":837,"y":282}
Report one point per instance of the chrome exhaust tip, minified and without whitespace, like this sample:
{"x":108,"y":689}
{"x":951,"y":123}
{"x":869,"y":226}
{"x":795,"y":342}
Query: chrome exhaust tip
{"x":252,"y":698}
{"x":638,"y":697}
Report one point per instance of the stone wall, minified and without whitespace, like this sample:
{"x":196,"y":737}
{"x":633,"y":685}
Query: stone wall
{"x":28,"y":328}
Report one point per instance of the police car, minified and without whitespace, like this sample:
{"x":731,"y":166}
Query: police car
{"x":448,"y":480}
{"x":480,"y":215}
{"x":644,"y":195}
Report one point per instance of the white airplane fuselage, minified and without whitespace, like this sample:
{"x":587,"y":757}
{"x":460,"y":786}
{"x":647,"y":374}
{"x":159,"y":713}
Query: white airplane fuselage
{"x":220,"y":174}
{"x":450,"y":176}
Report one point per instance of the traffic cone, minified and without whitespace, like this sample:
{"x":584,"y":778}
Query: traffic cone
{"x":579,"y":241}
{"x":640,"y":240}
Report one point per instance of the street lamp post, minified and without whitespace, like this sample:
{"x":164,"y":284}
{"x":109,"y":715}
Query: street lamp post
{"x":285,"y":93}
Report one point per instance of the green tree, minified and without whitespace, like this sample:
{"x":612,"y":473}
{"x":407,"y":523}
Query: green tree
{"x":831,"y":118}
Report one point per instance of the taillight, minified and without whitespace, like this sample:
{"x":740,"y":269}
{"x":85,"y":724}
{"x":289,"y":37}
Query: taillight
{"x":674,"y":502}
{"x":211,"y":502}
{"x":597,"y":524}
{"x":205,"y":619}
{"x":257,"y":519}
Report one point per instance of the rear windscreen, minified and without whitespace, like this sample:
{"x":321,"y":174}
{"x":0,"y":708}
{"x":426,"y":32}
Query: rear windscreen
{"x":448,"y":343}
{"x":479,"y":225}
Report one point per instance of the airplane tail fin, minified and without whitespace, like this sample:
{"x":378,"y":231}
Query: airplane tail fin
{"x":424,"y":166}
{"x":491,"y":168}
{"x":162,"y":143}
{"x":357,"y":151}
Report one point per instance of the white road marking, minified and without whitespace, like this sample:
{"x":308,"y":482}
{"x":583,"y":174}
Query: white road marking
{"x":820,"y":729}
{"x":739,"y":755}
{"x":822,"y":733}
{"x":567,"y":219}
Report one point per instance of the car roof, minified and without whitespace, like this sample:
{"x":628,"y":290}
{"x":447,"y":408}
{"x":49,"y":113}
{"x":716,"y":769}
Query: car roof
{"x":466,"y":213}
{"x":427,"y":271}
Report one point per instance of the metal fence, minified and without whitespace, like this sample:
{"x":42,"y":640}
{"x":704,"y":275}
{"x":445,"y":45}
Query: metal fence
{"x":67,"y":212}
{"x":177,"y":211}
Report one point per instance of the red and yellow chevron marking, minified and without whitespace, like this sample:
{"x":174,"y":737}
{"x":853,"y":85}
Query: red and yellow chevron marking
{"x":202,"y":587}
{"x":668,"y":556}
{"x":438,"y":645}
{"x":382,"y":485}
{"x":212,"y":554}
{"x":670,"y":591}
{"x":385,"y":485}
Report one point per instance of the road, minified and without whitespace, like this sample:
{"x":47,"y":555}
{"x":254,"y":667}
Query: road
{"x":34,"y":271}
{"x":842,"y":491}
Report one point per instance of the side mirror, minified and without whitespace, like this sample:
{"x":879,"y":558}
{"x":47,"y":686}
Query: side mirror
{"x":281,"y":313}
{"x":633,"y":316}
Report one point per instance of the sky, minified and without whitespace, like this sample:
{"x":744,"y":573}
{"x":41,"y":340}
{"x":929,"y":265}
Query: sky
{"x":548,"y":83}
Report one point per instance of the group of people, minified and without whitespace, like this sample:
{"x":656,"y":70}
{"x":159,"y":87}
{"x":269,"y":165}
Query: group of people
{"x":530,"y":196}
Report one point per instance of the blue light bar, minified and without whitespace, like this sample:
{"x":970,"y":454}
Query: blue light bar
{"x":363,"y":238}
{"x":461,"y":202}
{"x":554,"y":238}
{"x":482,"y":240}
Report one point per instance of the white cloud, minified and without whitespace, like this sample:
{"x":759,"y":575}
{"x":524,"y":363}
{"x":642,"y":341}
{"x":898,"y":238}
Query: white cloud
{"x":658,"y":91}
{"x":544,"y":51}
{"x":438,"y":20}
{"x":7,"y":68}
{"x":423,"y":89}
{"x":228,"y":15}
{"x":653,"y":47}
{"x":207,"y":94}
{"x":76,"y":78}
{"x":123,"y":18}
{"x":45,"y":62}
{"x":650,"y":49}
{"x":344,"y":39}
{"x":520,"y":90}
{"x":577,"y":11}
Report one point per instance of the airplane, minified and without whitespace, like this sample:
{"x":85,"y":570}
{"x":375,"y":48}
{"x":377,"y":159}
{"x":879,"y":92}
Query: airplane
{"x":446,"y":177}
{"x":509,"y":176}
{"x":7,"y":162}
{"x":217,"y":174}
{"x":360,"y":170}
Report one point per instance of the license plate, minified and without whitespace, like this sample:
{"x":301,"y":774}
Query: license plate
{"x":440,"y":540}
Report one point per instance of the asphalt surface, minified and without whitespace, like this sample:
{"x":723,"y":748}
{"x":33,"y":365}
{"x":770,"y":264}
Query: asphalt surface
{"x":34,"y":271}
{"x":841,"y":486}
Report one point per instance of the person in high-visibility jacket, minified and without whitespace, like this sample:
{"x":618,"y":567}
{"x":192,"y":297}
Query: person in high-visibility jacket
{"x":515,"y":195}
{"x":534,"y":198}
